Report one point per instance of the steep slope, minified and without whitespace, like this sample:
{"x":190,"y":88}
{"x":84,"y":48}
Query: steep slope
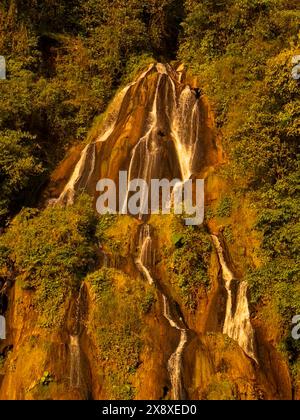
{"x":158,"y":312}
{"x":152,"y":129}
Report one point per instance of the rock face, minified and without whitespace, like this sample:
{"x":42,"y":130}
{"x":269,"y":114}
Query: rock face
{"x":159,"y":126}
{"x":155,"y":128}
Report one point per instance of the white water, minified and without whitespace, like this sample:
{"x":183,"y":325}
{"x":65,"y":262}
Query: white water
{"x":238,"y":325}
{"x":147,"y":149}
{"x":175,"y":367}
{"x":175,"y":361}
{"x":174,"y":111}
{"x":144,"y":262}
{"x":68,"y":194}
{"x":185,"y":126}
{"x":181,"y":116}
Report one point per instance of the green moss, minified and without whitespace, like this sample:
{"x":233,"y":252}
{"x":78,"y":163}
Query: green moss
{"x":117,"y":323}
{"x":228,"y":234}
{"x":101,"y":282}
{"x":120,"y":390}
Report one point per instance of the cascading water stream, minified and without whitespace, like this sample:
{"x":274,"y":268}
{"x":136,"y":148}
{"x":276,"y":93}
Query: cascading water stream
{"x":144,"y":262}
{"x":174,"y":115}
{"x":145,"y":258}
{"x":185,"y":127}
{"x":237,"y":324}
{"x":169,"y":140}
{"x":162,"y":116}
{"x":85,"y":167}
{"x":147,"y":148}
{"x":175,"y":361}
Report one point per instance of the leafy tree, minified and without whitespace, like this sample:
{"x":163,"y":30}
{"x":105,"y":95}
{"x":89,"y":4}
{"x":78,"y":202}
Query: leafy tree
{"x":17,"y":167}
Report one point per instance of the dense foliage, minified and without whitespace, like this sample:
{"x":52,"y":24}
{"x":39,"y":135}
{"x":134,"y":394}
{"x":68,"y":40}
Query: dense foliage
{"x":242,"y":51}
{"x":65,"y":59}
{"x":187,"y":261}
{"x":48,"y":253}
{"x":117,"y":325}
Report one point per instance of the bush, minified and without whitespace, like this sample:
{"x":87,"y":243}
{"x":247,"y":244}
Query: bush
{"x":242,"y":53}
{"x":225,"y":208}
{"x":65,"y":61}
{"x":188,"y":262}
{"x":147,"y":302}
{"x":51,"y":252}
{"x":116,"y":322}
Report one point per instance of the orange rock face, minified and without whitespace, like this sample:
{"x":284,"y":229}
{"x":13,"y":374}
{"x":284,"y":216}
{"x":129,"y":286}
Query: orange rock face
{"x":160,"y":126}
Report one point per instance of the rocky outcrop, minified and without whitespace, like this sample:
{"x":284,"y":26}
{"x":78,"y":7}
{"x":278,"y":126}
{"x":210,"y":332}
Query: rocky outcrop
{"x":158,"y":126}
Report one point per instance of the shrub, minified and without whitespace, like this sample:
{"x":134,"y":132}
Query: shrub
{"x":51,"y":251}
{"x":189,"y":261}
{"x":225,"y":207}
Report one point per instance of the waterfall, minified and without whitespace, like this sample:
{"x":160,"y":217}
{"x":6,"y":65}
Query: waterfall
{"x":185,"y":127}
{"x":86,"y":166}
{"x":145,"y":258}
{"x":75,"y":353}
{"x":175,"y":367}
{"x":144,"y":262}
{"x":172,"y":132}
{"x":237,"y":324}
{"x":174,"y":116}
{"x":81,"y":174}
{"x":175,"y":361}
{"x":155,"y":124}
{"x":146,"y":152}
{"x":166,"y":138}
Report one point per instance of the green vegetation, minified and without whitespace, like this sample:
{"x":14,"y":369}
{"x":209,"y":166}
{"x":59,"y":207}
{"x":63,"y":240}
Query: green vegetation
{"x":242,"y":53}
{"x":117,"y":325}
{"x":221,"y":390}
{"x":228,"y":234}
{"x":2,"y":361}
{"x":104,"y":223}
{"x":147,"y":302}
{"x":46,"y":379}
{"x":50,"y":252}
{"x":225,"y":207}
{"x":188,"y":261}
{"x":65,"y":60}
{"x":18,"y":166}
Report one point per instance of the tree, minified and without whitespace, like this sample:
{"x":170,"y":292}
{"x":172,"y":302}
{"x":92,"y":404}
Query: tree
{"x":18,"y":167}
